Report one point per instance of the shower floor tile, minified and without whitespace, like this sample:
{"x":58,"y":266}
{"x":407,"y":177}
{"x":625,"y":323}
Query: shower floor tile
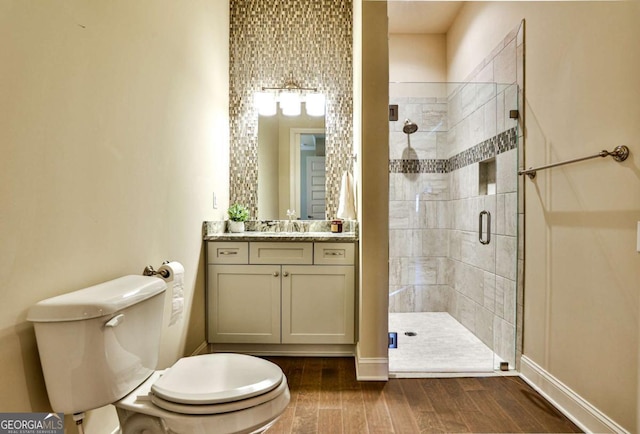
{"x":441,"y":345}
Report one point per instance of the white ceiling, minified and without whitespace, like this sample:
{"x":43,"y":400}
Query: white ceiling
{"x":406,"y":16}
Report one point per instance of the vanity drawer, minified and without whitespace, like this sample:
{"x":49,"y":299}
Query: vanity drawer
{"x":334,"y":253}
{"x":281,"y":253}
{"x":220,"y":252}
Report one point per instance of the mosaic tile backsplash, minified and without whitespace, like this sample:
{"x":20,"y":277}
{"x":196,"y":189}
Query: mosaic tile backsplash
{"x":269,"y":41}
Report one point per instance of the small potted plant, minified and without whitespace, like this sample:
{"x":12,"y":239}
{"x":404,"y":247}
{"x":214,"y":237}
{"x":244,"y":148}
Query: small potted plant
{"x":238,"y":214}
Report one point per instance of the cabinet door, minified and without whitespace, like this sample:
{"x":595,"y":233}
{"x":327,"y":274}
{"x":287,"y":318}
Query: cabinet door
{"x":243,"y":303}
{"x":318,"y":304}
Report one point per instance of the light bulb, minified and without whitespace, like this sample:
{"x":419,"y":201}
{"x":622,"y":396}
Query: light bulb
{"x":315,"y":104}
{"x":290,"y":103}
{"x":265,"y":102}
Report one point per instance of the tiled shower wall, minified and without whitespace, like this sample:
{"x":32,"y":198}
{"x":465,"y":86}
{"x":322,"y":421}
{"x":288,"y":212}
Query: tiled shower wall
{"x":419,"y":207}
{"x":270,"y":40}
{"x":436,"y":261}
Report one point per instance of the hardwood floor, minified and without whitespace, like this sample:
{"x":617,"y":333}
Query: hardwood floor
{"x":326,"y":398}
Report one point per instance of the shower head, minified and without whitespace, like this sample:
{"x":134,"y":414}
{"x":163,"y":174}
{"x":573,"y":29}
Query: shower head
{"x":409,"y":127}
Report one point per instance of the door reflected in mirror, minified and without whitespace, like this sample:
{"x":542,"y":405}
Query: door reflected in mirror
{"x":291,"y":167}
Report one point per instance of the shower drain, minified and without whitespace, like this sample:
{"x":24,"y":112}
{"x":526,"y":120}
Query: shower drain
{"x":410,"y":334}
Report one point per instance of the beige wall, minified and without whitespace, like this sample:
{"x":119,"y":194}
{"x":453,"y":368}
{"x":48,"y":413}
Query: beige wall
{"x":373,"y":212}
{"x":582,"y":272}
{"x":417,"y":58}
{"x":113,"y":128}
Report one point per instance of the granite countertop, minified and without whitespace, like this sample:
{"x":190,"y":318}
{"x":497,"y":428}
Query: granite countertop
{"x":280,"y":230}
{"x":283,"y":236}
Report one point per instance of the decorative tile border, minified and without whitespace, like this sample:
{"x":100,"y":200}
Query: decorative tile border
{"x":419,"y":166}
{"x":497,"y":144}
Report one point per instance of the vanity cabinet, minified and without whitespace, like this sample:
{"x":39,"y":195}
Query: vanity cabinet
{"x":281,"y":292}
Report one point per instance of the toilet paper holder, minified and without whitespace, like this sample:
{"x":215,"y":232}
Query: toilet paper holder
{"x":150,"y":271}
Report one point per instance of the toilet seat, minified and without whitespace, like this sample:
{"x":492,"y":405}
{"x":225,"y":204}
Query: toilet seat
{"x":217,"y":383}
{"x":254,"y":417}
{"x":211,"y":409}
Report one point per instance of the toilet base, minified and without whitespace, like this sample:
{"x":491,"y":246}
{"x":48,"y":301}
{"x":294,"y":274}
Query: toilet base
{"x":137,"y":413}
{"x":137,"y":423}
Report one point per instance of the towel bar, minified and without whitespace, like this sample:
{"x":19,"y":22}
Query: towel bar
{"x":620,"y":153}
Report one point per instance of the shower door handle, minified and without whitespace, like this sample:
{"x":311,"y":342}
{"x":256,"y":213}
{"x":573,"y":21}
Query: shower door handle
{"x":480,"y":220}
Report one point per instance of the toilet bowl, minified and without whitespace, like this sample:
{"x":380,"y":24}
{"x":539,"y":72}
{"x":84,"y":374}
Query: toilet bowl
{"x":212,"y":393}
{"x":99,"y":346}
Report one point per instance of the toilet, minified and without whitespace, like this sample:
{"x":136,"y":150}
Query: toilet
{"x":99,"y":346}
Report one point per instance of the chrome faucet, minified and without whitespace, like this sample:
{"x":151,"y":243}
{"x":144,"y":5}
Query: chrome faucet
{"x":291,"y":213}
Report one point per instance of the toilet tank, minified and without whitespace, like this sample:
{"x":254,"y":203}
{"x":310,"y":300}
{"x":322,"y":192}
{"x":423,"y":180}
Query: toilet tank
{"x":99,"y":343}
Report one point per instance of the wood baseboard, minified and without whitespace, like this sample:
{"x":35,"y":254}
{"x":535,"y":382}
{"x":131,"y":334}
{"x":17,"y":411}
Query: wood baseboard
{"x":297,"y":350}
{"x":572,"y":405}
{"x":371,"y":368}
{"x":201,"y":349}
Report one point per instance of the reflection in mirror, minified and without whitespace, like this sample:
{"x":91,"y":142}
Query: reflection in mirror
{"x":291,"y":167}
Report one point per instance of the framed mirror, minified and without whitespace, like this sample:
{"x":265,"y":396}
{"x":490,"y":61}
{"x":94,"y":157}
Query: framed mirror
{"x":291,"y":167}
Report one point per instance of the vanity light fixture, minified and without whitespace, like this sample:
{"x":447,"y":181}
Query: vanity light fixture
{"x":289,"y":96}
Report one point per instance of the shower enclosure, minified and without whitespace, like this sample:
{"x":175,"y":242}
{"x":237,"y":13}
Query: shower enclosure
{"x":453,"y":227}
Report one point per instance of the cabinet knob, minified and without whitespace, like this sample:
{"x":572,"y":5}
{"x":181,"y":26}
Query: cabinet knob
{"x":285,"y":274}
{"x":276,"y":274}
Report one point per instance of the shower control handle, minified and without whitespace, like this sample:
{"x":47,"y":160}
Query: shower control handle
{"x":480,"y":220}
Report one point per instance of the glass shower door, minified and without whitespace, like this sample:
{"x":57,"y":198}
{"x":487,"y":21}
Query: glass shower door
{"x":506,"y":230}
{"x":474,"y":217}
{"x":453,"y":227}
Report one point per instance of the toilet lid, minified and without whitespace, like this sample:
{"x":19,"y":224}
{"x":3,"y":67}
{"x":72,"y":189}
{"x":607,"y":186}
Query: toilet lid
{"x":217,"y":378}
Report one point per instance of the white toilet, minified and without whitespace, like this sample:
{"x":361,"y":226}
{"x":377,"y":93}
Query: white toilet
{"x":99,"y":346}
